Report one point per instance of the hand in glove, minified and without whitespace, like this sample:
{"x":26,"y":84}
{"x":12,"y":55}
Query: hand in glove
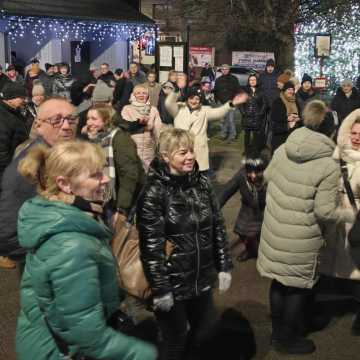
{"x":224,"y":281}
{"x":164,"y":302}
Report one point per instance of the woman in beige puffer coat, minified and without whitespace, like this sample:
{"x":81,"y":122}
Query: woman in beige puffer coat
{"x":301,"y":202}
{"x":339,"y":259}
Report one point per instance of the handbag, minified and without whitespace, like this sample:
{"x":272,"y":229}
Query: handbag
{"x":354,"y":233}
{"x":125,"y":247}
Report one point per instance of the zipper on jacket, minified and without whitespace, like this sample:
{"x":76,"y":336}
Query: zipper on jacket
{"x":196,"y":242}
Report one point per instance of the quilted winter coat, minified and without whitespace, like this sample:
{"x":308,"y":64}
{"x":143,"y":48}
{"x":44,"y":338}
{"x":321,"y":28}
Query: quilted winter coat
{"x":339,"y":259}
{"x":301,"y":202}
{"x":184,"y":211}
{"x":71,"y":275}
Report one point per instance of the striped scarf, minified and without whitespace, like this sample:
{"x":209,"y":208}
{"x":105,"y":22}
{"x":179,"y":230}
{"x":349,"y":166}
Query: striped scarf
{"x":110,"y":171}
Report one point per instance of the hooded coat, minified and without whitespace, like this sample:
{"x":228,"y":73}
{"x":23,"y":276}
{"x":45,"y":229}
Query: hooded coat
{"x":184,"y":211}
{"x":339,"y":259}
{"x":70,"y":274}
{"x":300,"y":204}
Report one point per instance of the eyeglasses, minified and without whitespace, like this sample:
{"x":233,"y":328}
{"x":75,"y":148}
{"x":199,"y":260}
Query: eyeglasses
{"x":58,"y":120}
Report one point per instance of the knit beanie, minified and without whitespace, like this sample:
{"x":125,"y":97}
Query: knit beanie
{"x":288,"y":85}
{"x":283,"y":78}
{"x":102,"y":92}
{"x":13,"y":90}
{"x":38,"y":89}
{"x":305,"y":78}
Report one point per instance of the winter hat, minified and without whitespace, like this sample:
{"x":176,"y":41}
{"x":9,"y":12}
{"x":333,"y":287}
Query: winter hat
{"x":168,"y":84}
{"x":38,"y":89}
{"x":305,"y":78}
{"x":195,"y":91}
{"x":102,"y":92}
{"x":283,"y":78}
{"x":270,"y":62}
{"x":288,"y":85}
{"x":205,"y":80}
{"x":48,"y":66}
{"x":13,"y":90}
{"x":346,"y":82}
{"x":255,"y":163}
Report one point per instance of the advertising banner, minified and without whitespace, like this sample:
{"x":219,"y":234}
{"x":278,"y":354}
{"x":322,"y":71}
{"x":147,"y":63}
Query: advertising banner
{"x":251,"y":59}
{"x":200,"y":55}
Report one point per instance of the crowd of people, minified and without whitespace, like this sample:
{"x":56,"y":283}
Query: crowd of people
{"x":78,"y":155}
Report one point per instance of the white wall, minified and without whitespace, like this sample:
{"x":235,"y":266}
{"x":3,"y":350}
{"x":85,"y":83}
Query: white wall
{"x":115,"y":55}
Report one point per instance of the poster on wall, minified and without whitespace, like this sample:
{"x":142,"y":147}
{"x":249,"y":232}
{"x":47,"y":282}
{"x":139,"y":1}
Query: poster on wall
{"x":166,"y":56}
{"x":251,"y":59}
{"x":143,"y":50}
{"x":201,"y":55}
{"x":322,"y":45}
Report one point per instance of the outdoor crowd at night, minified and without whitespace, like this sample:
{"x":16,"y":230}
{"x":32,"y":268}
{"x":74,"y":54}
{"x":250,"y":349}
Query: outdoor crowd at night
{"x":174,"y":193}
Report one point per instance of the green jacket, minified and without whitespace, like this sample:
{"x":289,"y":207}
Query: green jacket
{"x":301,"y":203}
{"x":70,"y":274}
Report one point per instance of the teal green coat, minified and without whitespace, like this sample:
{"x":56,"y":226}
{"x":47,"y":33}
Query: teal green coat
{"x":70,"y":273}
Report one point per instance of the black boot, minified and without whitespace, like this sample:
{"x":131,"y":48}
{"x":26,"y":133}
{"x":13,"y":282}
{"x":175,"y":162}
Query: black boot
{"x":355,"y":328}
{"x":289,"y":343}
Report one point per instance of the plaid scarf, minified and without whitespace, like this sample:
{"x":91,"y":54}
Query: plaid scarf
{"x":106,"y":144}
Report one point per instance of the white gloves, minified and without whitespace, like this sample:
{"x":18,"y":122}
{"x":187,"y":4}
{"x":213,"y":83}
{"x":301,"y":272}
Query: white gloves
{"x":163,"y":303}
{"x":224,"y":281}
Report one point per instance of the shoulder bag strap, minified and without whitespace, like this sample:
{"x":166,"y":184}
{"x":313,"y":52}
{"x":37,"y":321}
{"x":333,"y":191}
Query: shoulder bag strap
{"x":349,"y":192}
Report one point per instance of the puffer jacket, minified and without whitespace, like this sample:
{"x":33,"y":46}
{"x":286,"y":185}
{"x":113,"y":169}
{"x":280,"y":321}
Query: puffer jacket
{"x":70,"y":275}
{"x":253,"y":111}
{"x":300,"y":206}
{"x":184,"y":211}
{"x":339,"y":259}
{"x":62,"y":86}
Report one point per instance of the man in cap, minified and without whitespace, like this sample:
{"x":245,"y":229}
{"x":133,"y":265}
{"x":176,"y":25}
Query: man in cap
{"x":13,"y":75}
{"x":55,"y":122}
{"x":12,"y":123}
{"x":226,"y":87}
{"x":346,"y":100}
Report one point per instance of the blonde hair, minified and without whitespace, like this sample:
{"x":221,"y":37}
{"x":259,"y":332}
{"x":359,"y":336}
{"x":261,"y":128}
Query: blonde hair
{"x":172,"y":139}
{"x":314,"y":114}
{"x":140,"y":86}
{"x":42,"y":165}
{"x":105,"y":112}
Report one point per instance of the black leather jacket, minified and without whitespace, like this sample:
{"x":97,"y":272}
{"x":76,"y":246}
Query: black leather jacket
{"x":184,"y":211}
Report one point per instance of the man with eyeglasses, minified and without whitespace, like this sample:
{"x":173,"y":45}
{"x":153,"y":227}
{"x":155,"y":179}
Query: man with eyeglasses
{"x":346,"y":100}
{"x":55,"y":122}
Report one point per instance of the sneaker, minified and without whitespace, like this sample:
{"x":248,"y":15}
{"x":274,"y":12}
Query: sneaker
{"x":293,"y":345}
{"x":355,"y":327}
{"x":6,"y":263}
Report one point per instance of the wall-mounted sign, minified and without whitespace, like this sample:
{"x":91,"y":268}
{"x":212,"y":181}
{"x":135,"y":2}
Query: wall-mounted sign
{"x":322,"y":45}
{"x":251,"y":59}
{"x":201,"y":55}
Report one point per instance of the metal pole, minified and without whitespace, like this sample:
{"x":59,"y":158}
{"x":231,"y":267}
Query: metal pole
{"x":187,"y":49}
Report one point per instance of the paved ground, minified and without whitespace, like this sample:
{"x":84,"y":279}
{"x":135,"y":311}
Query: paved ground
{"x":248,"y":295}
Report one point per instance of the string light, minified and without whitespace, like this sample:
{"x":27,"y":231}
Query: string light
{"x":42,"y":29}
{"x":345,"y":46}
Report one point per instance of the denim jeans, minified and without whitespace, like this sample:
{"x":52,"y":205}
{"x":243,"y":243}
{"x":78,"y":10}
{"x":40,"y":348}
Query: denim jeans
{"x":228,"y":129}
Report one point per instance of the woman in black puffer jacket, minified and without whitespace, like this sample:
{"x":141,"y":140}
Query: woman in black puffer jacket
{"x":253,"y":112}
{"x":178,"y":207}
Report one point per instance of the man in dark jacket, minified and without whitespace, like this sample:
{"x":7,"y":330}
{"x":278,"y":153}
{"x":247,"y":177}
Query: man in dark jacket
{"x":123,"y":90}
{"x":136,"y":76}
{"x":226,"y":87}
{"x":55,"y":122}
{"x":268,"y":82}
{"x":107,"y":75}
{"x":346,"y":100}
{"x":12,"y":123}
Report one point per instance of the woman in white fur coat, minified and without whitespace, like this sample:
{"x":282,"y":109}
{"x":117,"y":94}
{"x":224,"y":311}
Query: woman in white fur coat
{"x":339,"y":259}
{"x":193,"y":116}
